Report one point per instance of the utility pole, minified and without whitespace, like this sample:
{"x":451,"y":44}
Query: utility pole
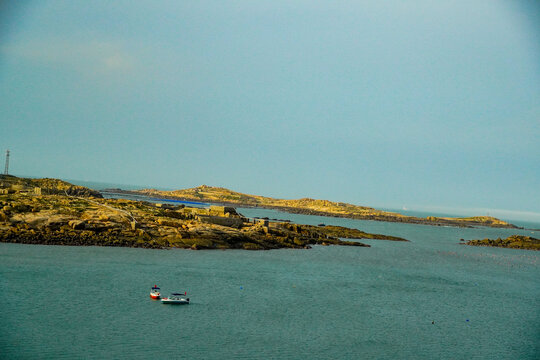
{"x":6,"y":170}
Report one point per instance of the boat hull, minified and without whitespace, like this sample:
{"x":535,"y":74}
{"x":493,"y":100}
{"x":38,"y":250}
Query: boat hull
{"x":175,"y":302}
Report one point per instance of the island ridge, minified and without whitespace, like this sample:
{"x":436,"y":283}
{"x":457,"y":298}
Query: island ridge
{"x":309,"y":206}
{"x":60,"y":213}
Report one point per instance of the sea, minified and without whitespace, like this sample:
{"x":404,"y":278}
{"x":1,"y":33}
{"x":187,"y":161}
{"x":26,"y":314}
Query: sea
{"x":430,"y":298}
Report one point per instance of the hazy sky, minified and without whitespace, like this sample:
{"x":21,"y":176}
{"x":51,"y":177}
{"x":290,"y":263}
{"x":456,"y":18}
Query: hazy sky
{"x":417,"y":104}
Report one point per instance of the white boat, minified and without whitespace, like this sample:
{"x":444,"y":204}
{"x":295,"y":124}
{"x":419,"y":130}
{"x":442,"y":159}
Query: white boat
{"x":175,"y":298}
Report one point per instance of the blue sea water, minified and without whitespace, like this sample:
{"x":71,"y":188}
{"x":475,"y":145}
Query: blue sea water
{"x":430,"y":298}
{"x":116,"y":195}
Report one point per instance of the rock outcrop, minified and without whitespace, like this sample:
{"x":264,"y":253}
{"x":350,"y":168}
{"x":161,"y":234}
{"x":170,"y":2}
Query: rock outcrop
{"x":60,"y":219}
{"x":512,"y":242}
{"x":44,"y":186}
{"x":309,"y":206}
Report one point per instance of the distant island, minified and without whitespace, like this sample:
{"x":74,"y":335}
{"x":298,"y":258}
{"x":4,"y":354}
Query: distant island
{"x":55,"y":212}
{"x":512,"y":242}
{"x":218,"y":195}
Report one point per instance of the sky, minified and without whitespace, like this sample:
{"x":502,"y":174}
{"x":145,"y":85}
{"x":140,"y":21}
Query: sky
{"x":425,"y":105}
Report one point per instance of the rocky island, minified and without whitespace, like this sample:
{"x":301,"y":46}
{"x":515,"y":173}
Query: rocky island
{"x":512,"y":242}
{"x":54,"y":212}
{"x":309,"y":206}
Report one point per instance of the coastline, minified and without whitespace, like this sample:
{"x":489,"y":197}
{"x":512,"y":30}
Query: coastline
{"x":85,"y":219}
{"x":377,"y":215}
{"x":511,"y":242}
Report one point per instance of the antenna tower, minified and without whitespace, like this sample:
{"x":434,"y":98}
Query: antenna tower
{"x":6,"y":170}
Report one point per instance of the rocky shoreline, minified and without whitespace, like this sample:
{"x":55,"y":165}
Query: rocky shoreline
{"x":64,"y":219}
{"x":511,"y":242}
{"x":211,"y":195}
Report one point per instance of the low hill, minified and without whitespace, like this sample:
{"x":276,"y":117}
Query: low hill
{"x":61,"y":219}
{"x":310,"y":206}
{"x":47,"y":186}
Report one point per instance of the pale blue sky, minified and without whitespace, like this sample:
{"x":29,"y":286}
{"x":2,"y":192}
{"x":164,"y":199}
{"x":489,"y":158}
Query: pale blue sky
{"x":417,"y":104}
